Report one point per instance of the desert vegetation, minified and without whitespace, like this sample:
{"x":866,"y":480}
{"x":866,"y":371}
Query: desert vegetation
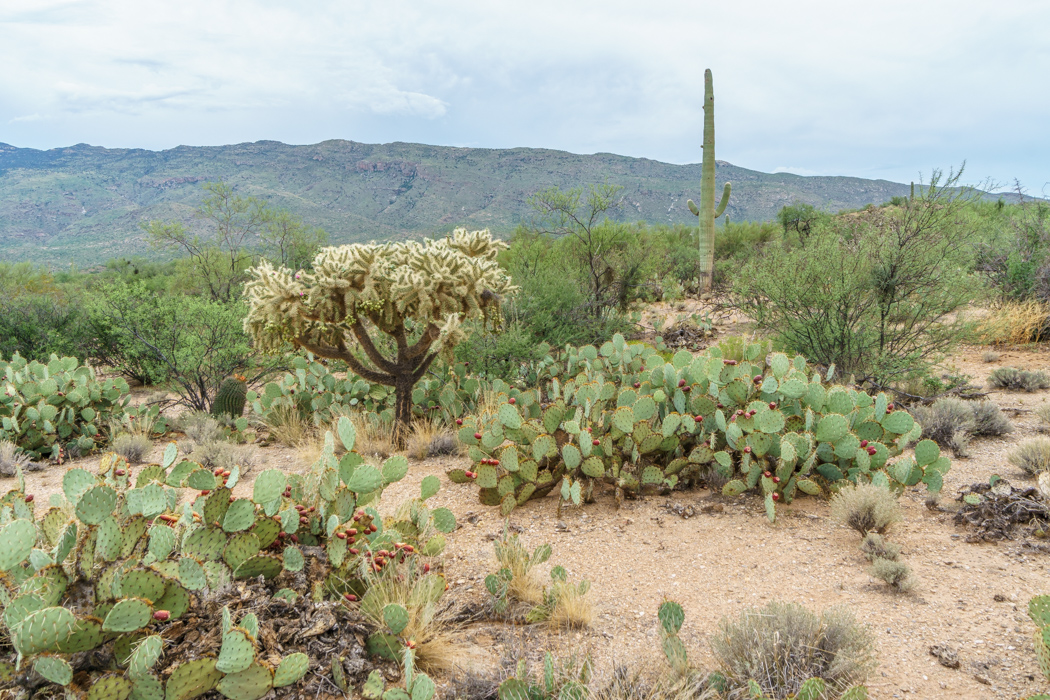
{"x":584,"y":370}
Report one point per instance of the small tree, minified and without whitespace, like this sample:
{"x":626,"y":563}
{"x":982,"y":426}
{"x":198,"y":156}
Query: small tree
{"x":416,"y":293}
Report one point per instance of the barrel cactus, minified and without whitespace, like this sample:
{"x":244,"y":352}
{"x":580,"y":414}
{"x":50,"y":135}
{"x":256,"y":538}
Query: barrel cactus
{"x":231,"y":397}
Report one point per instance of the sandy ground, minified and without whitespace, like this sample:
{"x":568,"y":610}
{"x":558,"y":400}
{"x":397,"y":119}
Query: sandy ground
{"x":728,"y":557}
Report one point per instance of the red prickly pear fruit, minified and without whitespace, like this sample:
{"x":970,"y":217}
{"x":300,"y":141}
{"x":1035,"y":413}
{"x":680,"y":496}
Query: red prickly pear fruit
{"x":217,"y":471}
{"x":512,"y":401}
{"x":772,"y":405}
{"x":372,"y":528}
{"x":409,"y":548}
{"x":757,"y":379}
{"x":294,"y":538}
{"x":637,"y":385}
{"x":889,"y":407}
{"x":767,"y":474}
{"x":747,"y":450}
{"x":477,"y":436}
{"x":304,"y":520}
{"x":687,"y":389}
{"x":352,"y":531}
{"x":720,"y":405}
{"x":354,"y":551}
{"x":740,"y":411}
{"x":29,"y":498}
{"x":681,"y":382}
{"x":205,"y":492}
{"x":426,"y":568}
{"x":699,"y":419}
{"x":590,"y":430}
{"x":596,"y":442}
{"x":776,"y":479}
{"x":341,"y":535}
{"x":161,"y":615}
{"x":872,"y":451}
{"x":459,"y":421}
{"x":776,"y":496}
{"x":863,"y":443}
{"x":494,"y":462}
{"x":119,"y":472}
{"x":226,"y":472}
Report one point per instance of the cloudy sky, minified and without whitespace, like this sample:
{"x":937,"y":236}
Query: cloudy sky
{"x":883,"y":89}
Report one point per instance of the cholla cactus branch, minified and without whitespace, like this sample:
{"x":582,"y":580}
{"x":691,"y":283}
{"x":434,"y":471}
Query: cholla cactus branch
{"x":428,"y":287}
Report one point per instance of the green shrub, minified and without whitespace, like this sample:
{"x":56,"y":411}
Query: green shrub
{"x":189,"y":344}
{"x":896,"y":574}
{"x":61,"y":404}
{"x":875,"y":547}
{"x":1012,"y":379}
{"x":780,"y":647}
{"x":871,"y":293}
{"x":625,"y":417}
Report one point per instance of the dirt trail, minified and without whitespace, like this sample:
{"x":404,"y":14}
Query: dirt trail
{"x":970,"y":597}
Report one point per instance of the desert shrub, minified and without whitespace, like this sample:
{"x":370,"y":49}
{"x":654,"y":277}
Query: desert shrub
{"x":507,"y":354}
{"x":1016,"y":258}
{"x":200,"y":427}
{"x":875,"y":547}
{"x":989,"y":420}
{"x":375,"y":435}
{"x":1032,"y":456}
{"x":61,"y":404}
{"x":515,"y":581}
{"x":431,"y":440}
{"x":287,"y":425}
{"x":220,"y":454}
{"x":896,"y":574}
{"x":132,"y":447}
{"x":990,"y":356}
{"x":188,"y":344}
{"x":873,"y":292}
{"x":948,"y":422}
{"x":865,"y":508}
{"x":1013,"y":379}
{"x":783,"y":645}
{"x":563,"y":604}
{"x":1043,"y":414}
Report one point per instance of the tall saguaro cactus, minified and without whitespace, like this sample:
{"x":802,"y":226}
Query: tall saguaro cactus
{"x":707,"y":211}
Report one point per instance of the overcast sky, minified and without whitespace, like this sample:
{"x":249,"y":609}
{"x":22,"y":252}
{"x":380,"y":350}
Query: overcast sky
{"x":884,"y":89}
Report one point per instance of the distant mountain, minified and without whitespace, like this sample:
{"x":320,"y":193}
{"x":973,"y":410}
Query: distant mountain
{"x":84,"y":204}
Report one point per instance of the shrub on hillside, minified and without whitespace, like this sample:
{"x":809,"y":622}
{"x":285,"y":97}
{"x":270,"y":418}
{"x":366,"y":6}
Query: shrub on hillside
{"x":1013,"y":379}
{"x":950,"y":422}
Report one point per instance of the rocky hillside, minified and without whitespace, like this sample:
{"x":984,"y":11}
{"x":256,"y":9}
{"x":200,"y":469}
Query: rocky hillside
{"x":84,"y":204}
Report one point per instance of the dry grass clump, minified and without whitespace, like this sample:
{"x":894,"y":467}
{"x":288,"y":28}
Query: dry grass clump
{"x":375,"y":436}
{"x":564,"y":604}
{"x":429,"y":622}
{"x":288,"y":426}
{"x":782,"y":645}
{"x":11,"y":458}
{"x":131,"y":447}
{"x":1013,"y":379}
{"x":200,"y":427}
{"x":874,"y":547}
{"x":224,"y":455}
{"x":1043,"y":413}
{"x":866,"y":508}
{"x":515,"y":558}
{"x":430,"y":439}
{"x":990,"y":356}
{"x":1015,"y":323}
{"x":895,"y":573}
{"x":1032,"y":456}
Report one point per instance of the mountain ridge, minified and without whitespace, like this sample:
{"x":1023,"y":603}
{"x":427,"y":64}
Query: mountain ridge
{"x":85,"y":203}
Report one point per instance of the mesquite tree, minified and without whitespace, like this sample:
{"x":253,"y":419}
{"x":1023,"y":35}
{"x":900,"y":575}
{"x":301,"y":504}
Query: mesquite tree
{"x":417,"y":293}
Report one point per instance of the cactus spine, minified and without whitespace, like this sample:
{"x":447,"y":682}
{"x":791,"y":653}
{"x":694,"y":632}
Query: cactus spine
{"x":707,"y":210}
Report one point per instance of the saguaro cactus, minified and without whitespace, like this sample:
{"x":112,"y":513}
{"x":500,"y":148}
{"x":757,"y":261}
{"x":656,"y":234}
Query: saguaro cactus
{"x":707,"y":211}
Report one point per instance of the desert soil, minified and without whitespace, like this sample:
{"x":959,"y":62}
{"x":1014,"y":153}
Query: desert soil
{"x":728,"y":557}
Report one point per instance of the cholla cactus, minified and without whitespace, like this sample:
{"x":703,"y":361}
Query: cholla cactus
{"x":418,"y":293}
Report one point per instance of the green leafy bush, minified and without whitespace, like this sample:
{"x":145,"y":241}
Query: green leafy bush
{"x":61,"y":404}
{"x":622,"y":415}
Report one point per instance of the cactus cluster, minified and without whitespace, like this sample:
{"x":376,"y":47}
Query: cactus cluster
{"x":418,"y":686}
{"x":623,"y":416}
{"x":61,"y":404}
{"x":116,"y":557}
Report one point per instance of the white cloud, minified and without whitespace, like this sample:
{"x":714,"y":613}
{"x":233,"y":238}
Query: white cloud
{"x":881,"y":90}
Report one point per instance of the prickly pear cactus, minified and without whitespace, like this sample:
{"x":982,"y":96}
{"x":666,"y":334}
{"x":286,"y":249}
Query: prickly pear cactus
{"x":47,"y":407}
{"x":623,"y":416}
